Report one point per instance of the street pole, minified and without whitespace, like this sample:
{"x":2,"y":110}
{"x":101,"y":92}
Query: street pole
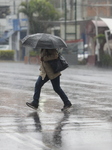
{"x":28,"y":26}
{"x":97,"y":41}
{"x":75,"y":19}
{"x":61,"y":5}
{"x":14,"y":5}
{"x":65,"y":18}
{"x":27,"y":19}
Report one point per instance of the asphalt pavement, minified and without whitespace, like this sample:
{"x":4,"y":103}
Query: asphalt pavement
{"x":87,"y":126}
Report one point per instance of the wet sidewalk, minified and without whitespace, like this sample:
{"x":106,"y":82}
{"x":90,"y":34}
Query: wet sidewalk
{"x":88,"y":126}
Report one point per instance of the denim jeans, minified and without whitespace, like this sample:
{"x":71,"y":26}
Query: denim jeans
{"x":56,"y":86}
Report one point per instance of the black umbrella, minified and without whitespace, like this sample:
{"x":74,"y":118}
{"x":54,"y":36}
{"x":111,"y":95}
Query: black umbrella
{"x":44,"y":41}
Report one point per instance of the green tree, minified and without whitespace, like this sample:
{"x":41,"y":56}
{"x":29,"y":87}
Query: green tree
{"x":38,"y":11}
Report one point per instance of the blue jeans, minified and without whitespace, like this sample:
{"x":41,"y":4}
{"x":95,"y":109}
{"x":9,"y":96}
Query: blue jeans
{"x":56,"y":86}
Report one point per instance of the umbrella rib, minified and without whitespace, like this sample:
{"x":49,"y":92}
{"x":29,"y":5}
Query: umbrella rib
{"x":40,"y":38}
{"x":52,"y":42}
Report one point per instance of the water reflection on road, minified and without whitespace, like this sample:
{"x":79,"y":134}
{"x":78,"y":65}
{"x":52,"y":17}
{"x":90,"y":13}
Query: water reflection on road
{"x":88,"y":126}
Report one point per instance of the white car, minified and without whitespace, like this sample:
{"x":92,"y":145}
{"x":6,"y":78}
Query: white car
{"x":4,"y":47}
{"x":82,"y":56}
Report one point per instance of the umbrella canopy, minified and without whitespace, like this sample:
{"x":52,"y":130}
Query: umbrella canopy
{"x":44,"y":41}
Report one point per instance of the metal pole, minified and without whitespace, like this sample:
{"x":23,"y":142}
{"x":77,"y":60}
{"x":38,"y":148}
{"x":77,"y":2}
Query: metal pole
{"x":61,"y":5}
{"x":65,"y":18}
{"x":75,"y":19}
{"x":27,"y":18}
{"x":14,"y":5}
{"x":28,"y":48}
{"x":97,"y":41}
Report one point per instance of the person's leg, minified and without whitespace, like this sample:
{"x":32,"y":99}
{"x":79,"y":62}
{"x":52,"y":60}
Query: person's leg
{"x":56,"y":86}
{"x":38,"y":85}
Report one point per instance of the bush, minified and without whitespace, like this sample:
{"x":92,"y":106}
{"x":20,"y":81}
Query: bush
{"x":6,"y":54}
{"x":106,"y":60}
{"x":33,"y":53}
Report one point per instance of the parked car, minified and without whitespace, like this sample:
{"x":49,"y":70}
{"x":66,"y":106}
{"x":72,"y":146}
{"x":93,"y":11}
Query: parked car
{"x":82,"y":55}
{"x":4,"y":47}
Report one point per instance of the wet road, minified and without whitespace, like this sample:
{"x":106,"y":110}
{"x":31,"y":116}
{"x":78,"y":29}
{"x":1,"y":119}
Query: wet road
{"x":88,"y":126}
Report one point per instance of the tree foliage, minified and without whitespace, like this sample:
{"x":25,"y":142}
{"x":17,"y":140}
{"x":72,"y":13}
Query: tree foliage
{"x":38,"y":11}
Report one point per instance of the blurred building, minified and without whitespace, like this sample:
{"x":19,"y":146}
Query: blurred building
{"x":12,"y":28}
{"x":95,"y":10}
{"x":71,"y":26}
{"x":100,"y":8}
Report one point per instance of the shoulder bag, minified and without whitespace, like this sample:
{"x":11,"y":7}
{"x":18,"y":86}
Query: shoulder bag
{"x":58,"y":64}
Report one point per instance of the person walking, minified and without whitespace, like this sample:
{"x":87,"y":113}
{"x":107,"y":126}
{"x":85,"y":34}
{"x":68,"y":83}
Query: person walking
{"x":46,"y":74}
